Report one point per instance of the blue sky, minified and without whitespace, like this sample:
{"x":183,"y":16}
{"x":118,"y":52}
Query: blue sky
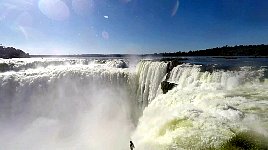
{"x":130,"y":26}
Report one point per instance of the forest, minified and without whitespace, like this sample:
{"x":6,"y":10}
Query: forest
{"x":238,"y":50}
{"x":11,"y":52}
{"x":225,"y":51}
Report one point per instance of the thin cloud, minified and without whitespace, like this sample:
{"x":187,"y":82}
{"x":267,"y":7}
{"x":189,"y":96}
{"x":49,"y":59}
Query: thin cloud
{"x":175,"y":8}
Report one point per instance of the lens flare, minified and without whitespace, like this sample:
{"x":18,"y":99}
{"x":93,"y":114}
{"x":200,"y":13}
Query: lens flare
{"x":82,"y":7}
{"x":175,"y":8}
{"x":23,"y":31}
{"x":25,"y":19}
{"x":105,"y":35}
{"x":54,"y":9}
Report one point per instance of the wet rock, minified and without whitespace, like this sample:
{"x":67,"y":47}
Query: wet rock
{"x":117,"y":64}
{"x":166,"y":86}
{"x":172,"y":62}
{"x":5,"y":67}
{"x":173,"y":59}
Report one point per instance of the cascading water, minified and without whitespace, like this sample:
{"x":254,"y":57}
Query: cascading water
{"x":63,"y":103}
{"x":149,"y":76}
{"x":204,"y":110}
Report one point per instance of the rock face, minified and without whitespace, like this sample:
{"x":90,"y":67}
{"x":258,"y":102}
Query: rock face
{"x":172,"y":62}
{"x":117,"y":63}
{"x":11,"y":52}
{"x":166,"y":86}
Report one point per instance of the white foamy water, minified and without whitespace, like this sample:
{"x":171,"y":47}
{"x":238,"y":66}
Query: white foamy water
{"x":149,"y":76}
{"x":65,"y":103}
{"x":204,"y":110}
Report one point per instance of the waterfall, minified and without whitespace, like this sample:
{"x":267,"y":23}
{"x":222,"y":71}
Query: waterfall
{"x":205,"y":109}
{"x":149,"y":76}
{"x":16,"y":86}
{"x":66,"y":106}
{"x":186,"y":75}
{"x":66,"y":103}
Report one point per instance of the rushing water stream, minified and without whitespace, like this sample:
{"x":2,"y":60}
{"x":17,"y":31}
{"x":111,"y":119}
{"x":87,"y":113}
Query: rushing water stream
{"x":64,"y":103}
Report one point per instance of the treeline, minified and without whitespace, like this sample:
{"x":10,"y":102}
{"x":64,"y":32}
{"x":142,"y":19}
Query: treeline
{"x":11,"y":52}
{"x":239,"y":50}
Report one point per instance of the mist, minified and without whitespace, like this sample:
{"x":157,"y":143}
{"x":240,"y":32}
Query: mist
{"x":67,"y":104}
{"x":65,"y":109}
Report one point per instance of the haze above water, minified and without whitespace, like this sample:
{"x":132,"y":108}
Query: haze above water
{"x":88,"y":103}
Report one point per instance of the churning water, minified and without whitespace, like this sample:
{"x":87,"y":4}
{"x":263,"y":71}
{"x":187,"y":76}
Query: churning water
{"x":65,"y":103}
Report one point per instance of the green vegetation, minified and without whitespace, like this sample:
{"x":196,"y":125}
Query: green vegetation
{"x":225,"y":51}
{"x":5,"y":67}
{"x":174,"y":124}
{"x":239,"y":50}
{"x":11,"y":52}
{"x":246,"y":141}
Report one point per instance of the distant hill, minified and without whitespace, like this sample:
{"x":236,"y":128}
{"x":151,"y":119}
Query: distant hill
{"x":225,"y":51}
{"x":11,"y":52}
{"x":240,"y":50}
